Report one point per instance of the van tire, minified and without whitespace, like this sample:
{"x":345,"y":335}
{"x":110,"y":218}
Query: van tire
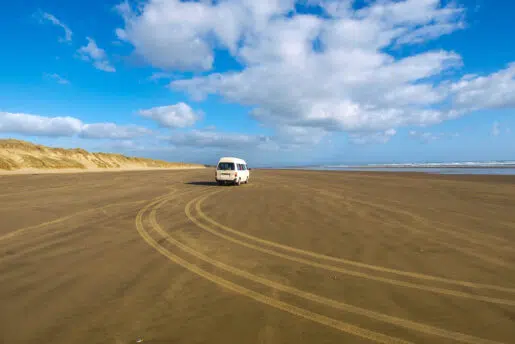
{"x":247,"y":181}
{"x":238,"y":182}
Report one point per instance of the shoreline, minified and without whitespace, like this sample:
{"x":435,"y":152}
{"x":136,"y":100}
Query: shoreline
{"x":397,"y":167}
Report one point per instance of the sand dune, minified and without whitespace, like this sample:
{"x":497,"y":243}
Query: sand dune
{"x":18,"y":156}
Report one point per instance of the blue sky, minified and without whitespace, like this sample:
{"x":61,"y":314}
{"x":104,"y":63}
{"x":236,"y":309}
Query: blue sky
{"x":276,"y":82}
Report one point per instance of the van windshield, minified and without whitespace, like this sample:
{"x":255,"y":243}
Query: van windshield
{"x":226,"y":166}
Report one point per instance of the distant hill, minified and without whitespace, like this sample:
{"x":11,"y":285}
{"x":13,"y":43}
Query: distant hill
{"x":17,"y":155}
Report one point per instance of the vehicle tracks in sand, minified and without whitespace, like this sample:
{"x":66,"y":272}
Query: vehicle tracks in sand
{"x":252,"y":294}
{"x":23,"y":230}
{"x":198,"y":207}
{"x":152,"y":209}
{"x":274,"y":249}
{"x":486,"y":240}
{"x":428,"y":228}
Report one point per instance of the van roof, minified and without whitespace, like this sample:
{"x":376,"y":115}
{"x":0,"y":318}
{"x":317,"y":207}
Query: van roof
{"x":231,"y":159}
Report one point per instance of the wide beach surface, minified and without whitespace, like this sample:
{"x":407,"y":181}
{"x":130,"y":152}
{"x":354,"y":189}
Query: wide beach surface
{"x":291,"y":257}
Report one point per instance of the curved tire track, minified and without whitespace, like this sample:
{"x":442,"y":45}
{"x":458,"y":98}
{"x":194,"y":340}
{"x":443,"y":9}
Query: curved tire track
{"x":303,"y":313}
{"x":312,"y":263}
{"x":411,"y":325}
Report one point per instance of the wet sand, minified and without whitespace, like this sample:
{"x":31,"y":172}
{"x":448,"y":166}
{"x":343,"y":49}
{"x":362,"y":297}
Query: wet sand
{"x":291,"y":257}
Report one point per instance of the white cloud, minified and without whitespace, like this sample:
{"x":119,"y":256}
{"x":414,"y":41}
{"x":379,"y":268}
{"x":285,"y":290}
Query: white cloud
{"x":350,"y":82}
{"x":374,"y":137}
{"x":180,"y":35}
{"x":294,"y":137}
{"x":91,"y":52}
{"x":59,"y":79}
{"x":286,"y":139}
{"x":179,"y":115}
{"x":27,"y":124}
{"x":494,"y":91}
{"x":215,"y":140}
{"x":67,"y":32}
{"x":350,"y":85}
{"x":429,"y":32}
{"x":496,"y":129}
{"x":35,"y":125}
{"x":211,"y":140}
{"x":112,"y":131}
{"x":123,"y":145}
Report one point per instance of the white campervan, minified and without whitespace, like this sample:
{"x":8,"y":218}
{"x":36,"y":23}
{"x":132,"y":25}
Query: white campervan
{"x":232,"y":170}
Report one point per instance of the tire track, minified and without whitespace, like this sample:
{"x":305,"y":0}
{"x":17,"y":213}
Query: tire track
{"x":70,"y":186}
{"x":64,"y":218}
{"x":481,"y":239}
{"x":411,"y":325}
{"x":312,"y":263}
{"x":318,"y":318}
{"x":429,"y":227}
{"x":483,"y":257}
{"x":358,"y":264}
{"x":451,"y":231}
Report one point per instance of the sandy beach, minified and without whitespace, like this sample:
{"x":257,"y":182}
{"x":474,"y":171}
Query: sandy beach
{"x":292,"y":257}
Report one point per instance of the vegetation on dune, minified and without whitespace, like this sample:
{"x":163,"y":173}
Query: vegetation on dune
{"x":20,"y":145}
{"x":49,"y":163}
{"x":16,"y":154}
{"x":8,"y":164}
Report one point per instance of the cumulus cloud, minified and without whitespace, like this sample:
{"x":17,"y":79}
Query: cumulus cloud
{"x":179,"y":115}
{"x":289,"y":137}
{"x":67,"y":32}
{"x":493,"y":91}
{"x":181,"y":35}
{"x":27,"y":124}
{"x":373,"y":137}
{"x":123,"y":145}
{"x":319,"y":73}
{"x":35,"y":125}
{"x":92,"y":53}
{"x":429,"y":32}
{"x":212,"y":139}
{"x":112,"y":131}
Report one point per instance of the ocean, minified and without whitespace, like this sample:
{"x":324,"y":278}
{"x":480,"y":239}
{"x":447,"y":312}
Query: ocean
{"x":497,"y":168}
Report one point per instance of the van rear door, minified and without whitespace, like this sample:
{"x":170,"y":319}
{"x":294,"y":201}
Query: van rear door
{"x":226,"y":171}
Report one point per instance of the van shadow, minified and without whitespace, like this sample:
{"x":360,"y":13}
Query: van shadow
{"x":202,"y":183}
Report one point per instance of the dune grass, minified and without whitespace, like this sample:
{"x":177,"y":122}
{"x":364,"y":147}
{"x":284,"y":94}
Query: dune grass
{"x":16,"y":154}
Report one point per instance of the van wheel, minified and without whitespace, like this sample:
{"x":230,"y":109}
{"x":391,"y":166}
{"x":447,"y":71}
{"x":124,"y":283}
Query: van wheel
{"x":238,"y":182}
{"x":247,"y":181}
